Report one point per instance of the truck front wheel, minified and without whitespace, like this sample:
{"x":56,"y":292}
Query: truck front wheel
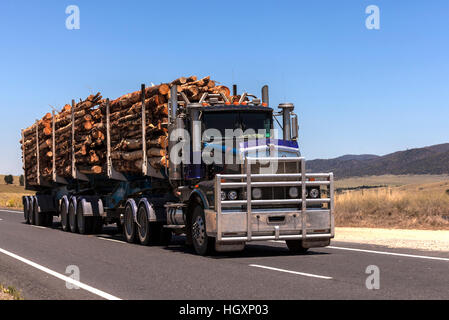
{"x":295,"y":246}
{"x":202,"y":244}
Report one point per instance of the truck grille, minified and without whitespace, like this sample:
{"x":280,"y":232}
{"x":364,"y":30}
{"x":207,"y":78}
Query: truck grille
{"x":270,"y":193}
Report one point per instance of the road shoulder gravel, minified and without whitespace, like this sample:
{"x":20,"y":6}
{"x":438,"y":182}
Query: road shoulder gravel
{"x":427,"y":240}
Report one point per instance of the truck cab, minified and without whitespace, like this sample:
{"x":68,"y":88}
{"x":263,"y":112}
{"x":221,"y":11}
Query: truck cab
{"x":241,"y":183}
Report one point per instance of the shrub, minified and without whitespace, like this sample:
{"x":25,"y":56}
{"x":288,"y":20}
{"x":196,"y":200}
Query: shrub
{"x":10,"y":203}
{"x":9,"y":179}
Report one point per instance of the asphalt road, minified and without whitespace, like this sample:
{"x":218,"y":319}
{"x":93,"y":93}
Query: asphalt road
{"x":35,"y":260}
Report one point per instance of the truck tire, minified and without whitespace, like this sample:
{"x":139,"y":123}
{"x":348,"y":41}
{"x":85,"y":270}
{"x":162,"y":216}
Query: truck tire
{"x":31,"y":214}
{"x":202,"y":244}
{"x":64,"y":213}
{"x":149,"y":233}
{"x":72,"y":216}
{"x":84,"y":223}
{"x":39,"y":217}
{"x":129,"y":227}
{"x":295,"y":246}
{"x":26,"y":209}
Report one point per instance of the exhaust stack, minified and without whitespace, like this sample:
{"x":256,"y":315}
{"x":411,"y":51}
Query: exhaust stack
{"x":265,"y":96}
{"x":287,"y":110}
{"x":176,"y":123}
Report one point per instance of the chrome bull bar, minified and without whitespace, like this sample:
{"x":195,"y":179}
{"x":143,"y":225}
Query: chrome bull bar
{"x":302,"y":180}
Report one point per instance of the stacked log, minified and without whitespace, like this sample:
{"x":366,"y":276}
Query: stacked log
{"x":90,"y":141}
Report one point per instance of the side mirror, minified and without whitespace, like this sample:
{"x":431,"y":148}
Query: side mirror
{"x":295,"y":127}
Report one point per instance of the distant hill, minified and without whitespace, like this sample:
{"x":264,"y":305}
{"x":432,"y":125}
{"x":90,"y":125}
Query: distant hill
{"x":427,"y":160}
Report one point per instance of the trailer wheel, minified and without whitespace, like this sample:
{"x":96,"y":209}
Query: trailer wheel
{"x":39,"y":217}
{"x":72,"y":216}
{"x":31,"y":214}
{"x":295,"y":246}
{"x":84,"y":223}
{"x":202,"y":244}
{"x":129,"y":227}
{"x":26,"y":209}
{"x":148,"y":233}
{"x":64,"y":212}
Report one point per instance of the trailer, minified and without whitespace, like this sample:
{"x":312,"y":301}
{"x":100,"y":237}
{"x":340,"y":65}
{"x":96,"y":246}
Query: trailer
{"x":256,"y":188}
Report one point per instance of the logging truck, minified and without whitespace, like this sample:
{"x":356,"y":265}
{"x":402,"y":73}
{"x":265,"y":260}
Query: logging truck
{"x":229,"y":180}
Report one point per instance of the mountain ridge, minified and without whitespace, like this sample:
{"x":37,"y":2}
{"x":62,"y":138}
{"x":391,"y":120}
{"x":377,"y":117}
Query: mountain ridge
{"x":427,"y":160}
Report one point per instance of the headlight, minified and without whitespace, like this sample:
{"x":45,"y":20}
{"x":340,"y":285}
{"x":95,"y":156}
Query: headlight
{"x":232,"y":195}
{"x":223,"y":196}
{"x":293,"y":192}
{"x":257,"y":193}
{"x":314,"y":193}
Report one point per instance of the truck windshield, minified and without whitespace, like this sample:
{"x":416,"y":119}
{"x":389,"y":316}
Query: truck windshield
{"x":243,"y":120}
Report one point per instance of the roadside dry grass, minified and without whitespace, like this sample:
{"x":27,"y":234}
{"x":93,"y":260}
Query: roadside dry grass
{"x":390,"y":180}
{"x":415,"y":206}
{"x":11,"y":196}
{"x":9,"y":293}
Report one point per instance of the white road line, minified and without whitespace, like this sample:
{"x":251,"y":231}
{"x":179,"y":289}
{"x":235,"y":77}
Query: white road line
{"x":112,"y":240}
{"x":39,"y":227}
{"x":81,"y":285}
{"x":11,"y":211}
{"x":390,"y":253}
{"x":1,"y":219}
{"x":292,"y":272}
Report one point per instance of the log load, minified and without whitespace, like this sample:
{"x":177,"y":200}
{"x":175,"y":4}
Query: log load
{"x":89,"y":148}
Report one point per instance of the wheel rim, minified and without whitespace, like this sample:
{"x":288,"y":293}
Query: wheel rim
{"x":199,"y":231}
{"x":72,"y":217}
{"x":143,"y":228}
{"x":129,"y":222}
{"x":81,"y":222}
{"x":64,"y":215}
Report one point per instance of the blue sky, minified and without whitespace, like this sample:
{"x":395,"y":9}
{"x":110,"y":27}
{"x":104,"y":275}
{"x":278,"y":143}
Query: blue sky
{"x":355,"y":90}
